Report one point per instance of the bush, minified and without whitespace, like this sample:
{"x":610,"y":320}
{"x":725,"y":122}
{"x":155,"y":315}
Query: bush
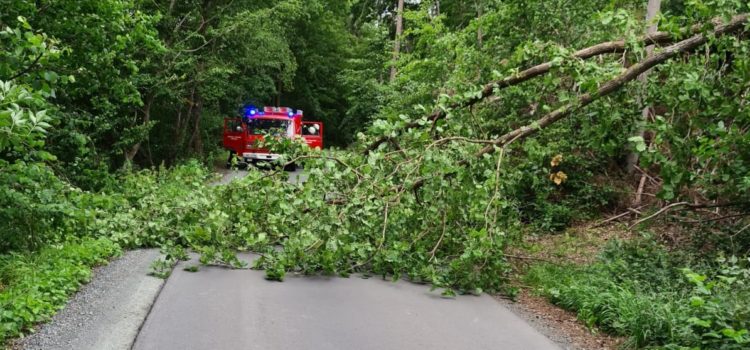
{"x":32,"y":206}
{"x":52,"y":233}
{"x":33,"y":287}
{"x":637,"y":290}
{"x":554,"y":187}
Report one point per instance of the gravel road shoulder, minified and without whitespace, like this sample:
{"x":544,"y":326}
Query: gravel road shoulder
{"x":561,"y":326}
{"x":105,"y":314}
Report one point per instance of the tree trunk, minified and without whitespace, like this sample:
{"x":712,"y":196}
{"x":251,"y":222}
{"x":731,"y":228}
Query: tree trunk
{"x":196,"y":140}
{"x":654,"y":6}
{"x":279,"y":88}
{"x":397,"y":41}
{"x":130,"y":154}
{"x":182,"y":129}
{"x":480,"y":35}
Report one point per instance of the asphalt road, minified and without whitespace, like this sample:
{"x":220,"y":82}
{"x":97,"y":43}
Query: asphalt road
{"x":230,"y":175}
{"x":105,"y":314}
{"x":218,"y":308}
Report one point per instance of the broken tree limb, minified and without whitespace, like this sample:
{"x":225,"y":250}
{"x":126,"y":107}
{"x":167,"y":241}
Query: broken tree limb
{"x":527,"y":258}
{"x":689,"y":206}
{"x":736,"y":24}
{"x":610,"y":47}
{"x":626,"y":213}
{"x":720,"y":218}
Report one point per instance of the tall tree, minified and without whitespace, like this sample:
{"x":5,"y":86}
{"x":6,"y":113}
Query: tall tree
{"x":397,"y":41}
{"x":480,"y":34}
{"x":653,"y":8}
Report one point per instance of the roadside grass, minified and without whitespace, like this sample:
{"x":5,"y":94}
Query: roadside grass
{"x":653,"y":297}
{"x":38,"y":284}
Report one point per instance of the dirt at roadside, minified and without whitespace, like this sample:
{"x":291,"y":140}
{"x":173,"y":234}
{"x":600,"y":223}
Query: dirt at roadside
{"x":559,"y":325}
{"x":579,"y":245}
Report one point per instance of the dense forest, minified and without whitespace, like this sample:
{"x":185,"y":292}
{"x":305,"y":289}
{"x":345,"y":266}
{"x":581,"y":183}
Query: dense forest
{"x":459,"y":133}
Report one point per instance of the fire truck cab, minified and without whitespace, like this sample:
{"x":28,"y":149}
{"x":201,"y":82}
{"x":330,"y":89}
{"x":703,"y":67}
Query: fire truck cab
{"x":242,"y":135}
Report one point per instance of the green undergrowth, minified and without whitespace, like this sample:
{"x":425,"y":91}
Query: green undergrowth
{"x":654,"y":298}
{"x":56,"y":233}
{"x":34,"y":286}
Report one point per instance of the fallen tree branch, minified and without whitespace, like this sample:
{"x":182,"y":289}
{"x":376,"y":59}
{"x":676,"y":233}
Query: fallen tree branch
{"x":527,"y":258}
{"x":736,"y":24}
{"x":360,"y":176}
{"x":28,"y":68}
{"x":689,"y":206}
{"x":610,"y":47}
{"x":715,"y":219}
{"x":626,"y":213}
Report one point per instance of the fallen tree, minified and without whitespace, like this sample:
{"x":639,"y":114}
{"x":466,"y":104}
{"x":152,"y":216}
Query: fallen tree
{"x":737,"y":24}
{"x":734,"y":26}
{"x":357,"y":214}
{"x":610,"y":47}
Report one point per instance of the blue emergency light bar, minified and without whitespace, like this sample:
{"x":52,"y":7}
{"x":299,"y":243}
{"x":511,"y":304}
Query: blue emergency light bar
{"x":252,"y":111}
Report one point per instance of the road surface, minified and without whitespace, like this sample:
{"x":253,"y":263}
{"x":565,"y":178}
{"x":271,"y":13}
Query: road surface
{"x":218,"y":308}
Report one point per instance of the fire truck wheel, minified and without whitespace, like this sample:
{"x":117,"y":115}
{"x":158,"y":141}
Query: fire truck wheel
{"x":291,"y":167}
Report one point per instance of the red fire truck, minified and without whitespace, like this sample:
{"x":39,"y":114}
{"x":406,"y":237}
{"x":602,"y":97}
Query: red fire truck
{"x":241,"y":135}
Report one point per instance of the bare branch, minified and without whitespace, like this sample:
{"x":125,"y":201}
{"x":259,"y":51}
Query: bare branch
{"x":29,"y":68}
{"x":716,"y":219}
{"x":527,"y":258}
{"x":626,"y":213}
{"x":689,"y":205}
{"x":437,"y":245}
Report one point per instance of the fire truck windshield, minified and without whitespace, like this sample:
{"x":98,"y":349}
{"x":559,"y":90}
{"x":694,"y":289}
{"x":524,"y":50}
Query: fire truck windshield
{"x":275,"y":127}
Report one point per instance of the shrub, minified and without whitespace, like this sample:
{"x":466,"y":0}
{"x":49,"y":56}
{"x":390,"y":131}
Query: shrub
{"x":38,"y":285}
{"x":639,"y":291}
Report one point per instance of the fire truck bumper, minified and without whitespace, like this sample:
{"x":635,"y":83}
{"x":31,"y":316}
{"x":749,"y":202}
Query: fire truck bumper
{"x":260,"y":156}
